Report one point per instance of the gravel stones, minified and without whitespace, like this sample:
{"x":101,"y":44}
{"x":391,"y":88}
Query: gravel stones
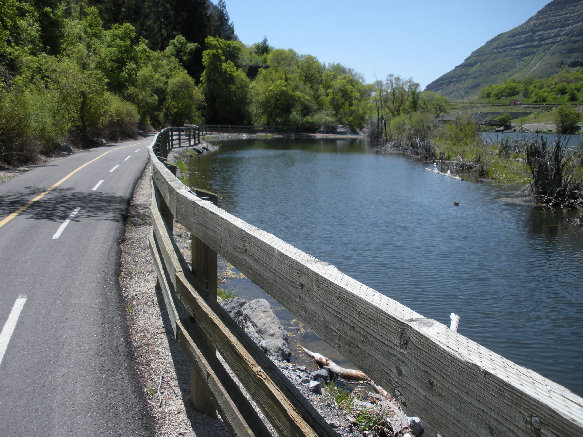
{"x":321,"y":375}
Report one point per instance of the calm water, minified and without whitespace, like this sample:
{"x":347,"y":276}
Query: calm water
{"x":496,"y":137}
{"x":514,"y":273}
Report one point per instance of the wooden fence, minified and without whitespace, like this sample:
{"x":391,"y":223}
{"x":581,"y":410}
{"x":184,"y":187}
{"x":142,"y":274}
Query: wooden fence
{"x":456,"y":386}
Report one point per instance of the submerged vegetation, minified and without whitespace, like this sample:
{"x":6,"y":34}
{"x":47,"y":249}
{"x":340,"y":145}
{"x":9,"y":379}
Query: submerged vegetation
{"x":556,"y":174}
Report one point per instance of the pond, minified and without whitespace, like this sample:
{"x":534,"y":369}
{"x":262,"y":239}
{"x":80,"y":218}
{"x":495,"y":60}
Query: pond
{"x":512,"y":271}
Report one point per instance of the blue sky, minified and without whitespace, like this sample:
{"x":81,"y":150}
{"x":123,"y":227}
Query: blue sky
{"x":419,"y":39}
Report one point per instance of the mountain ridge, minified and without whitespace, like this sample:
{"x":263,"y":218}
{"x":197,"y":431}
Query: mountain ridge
{"x":548,"y":41}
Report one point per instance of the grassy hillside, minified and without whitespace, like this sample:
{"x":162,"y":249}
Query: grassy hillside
{"x":543,"y":45}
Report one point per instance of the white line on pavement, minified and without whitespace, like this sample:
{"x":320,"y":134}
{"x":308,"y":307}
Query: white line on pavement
{"x":10,"y":324}
{"x":65,"y":223}
{"x":137,"y":150}
{"x":128,"y":157}
{"x":114,"y":169}
{"x":97,"y":185}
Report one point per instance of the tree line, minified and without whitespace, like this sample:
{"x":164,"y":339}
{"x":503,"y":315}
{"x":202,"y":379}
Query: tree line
{"x":80,"y":71}
{"x":565,"y":86}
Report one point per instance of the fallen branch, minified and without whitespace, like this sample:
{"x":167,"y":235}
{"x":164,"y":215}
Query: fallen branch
{"x":352,"y":374}
{"x":381,"y":391}
{"x":343,"y":372}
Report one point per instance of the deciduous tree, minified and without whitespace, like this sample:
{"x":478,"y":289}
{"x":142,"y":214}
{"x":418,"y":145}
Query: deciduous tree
{"x":567,"y":119}
{"x":225,"y":87}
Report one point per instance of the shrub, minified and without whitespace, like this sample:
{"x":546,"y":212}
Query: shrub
{"x":502,"y":120}
{"x":554,"y":176}
{"x":463,"y":131}
{"x":567,"y":119}
{"x":15,"y":146}
{"x":119,"y":118}
{"x":321,"y":121}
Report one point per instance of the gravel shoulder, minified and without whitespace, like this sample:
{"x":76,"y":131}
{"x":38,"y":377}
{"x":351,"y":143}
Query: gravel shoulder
{"x":163,"y":369}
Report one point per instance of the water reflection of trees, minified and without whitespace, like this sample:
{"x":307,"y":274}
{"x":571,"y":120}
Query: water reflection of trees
{"x":553,"y":224}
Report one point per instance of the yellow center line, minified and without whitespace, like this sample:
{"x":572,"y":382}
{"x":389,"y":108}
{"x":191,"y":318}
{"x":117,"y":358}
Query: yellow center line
{"x":48,"y":190}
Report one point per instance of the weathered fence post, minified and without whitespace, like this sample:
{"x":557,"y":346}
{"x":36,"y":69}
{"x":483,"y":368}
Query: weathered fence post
{"x":164,"y":208}
{"x":204,"y":268}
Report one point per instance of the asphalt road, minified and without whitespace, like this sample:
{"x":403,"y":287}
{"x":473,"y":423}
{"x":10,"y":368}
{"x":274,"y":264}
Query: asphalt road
{"x":65,"y":365}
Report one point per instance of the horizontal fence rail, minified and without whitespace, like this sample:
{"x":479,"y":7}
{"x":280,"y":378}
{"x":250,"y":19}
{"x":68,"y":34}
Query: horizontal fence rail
{"x":456,"y":386}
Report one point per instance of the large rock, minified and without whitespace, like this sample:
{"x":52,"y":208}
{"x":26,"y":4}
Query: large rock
{"x":258,"y":320}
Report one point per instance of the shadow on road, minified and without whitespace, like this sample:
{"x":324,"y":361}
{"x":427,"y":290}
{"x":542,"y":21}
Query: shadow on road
{"x":58,"y":205}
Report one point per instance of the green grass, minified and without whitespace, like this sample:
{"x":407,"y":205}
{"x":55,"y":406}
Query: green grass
{"x":223,"y":294}
{"x":343,"y":399}
{"x":508,"y":170}
{"x":370,"y":420}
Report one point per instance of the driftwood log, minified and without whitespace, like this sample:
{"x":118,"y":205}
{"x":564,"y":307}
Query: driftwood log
{"x":352,"y":374}
{"x":343,"y":372}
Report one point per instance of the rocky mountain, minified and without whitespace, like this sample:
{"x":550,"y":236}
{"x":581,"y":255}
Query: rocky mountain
{"x":550,"y":40}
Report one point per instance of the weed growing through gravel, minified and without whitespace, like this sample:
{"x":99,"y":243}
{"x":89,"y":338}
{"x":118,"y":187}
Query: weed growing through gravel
{"x":223,"y":293}
{"x":367,"y":419}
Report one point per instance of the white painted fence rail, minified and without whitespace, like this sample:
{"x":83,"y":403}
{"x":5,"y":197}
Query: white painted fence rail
{"x":456,"y":386}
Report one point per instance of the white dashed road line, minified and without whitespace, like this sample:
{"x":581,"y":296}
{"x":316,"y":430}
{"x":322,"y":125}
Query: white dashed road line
{"x":114,"y":169}
{"x":128,"y":157}
{"x":97,"y":185}
{"x":65,"y":223}
{"x":10,"y":324}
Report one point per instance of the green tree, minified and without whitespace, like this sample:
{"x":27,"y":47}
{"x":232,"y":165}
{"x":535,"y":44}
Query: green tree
{"x":119,"y":117}
{"x":397,"y":96}
{"x":567,"y":119}
{"x":120,"y":58}
{"x":147,"y":95}
{"x":187,"y":53}
{"x":311,"y":74}
{"x":8,"y":22}
{"x":50,"y":16}
{"x":184,"y":100}
{"x":461,"y":132}
{"x":274,"y":100}
{"x":262,"y":48}
{"x":220,"y":23}
{"x":347,"y":97}
{"x":225,"y":87}
{"x":432,"y":103}
{"x":279,"y":96}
